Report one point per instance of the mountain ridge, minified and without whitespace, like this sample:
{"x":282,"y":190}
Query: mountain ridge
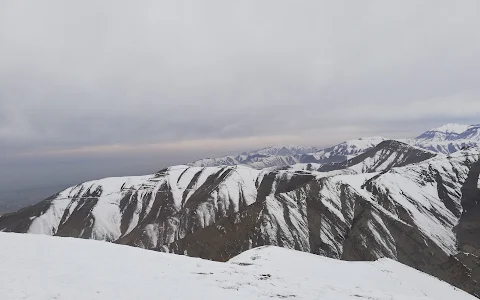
{"x":445,"y":139}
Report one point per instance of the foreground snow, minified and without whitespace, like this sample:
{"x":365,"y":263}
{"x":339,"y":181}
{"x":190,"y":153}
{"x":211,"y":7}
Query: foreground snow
{"x":41,"y":267}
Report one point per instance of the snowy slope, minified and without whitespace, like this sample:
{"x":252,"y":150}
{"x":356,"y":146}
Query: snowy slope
{"x":426,"y":196}
{"x":452,"y":128}
{"x":348,"y":149}
{"x":472,"y":133}
{"x":443,"y":133}
{"x":448,"y":138}
{"x":41,"y":268}
{"x":445,"y":147}
{"x":262,"y":158}
{"x":384,"y":156}
{"x":147,"y":211}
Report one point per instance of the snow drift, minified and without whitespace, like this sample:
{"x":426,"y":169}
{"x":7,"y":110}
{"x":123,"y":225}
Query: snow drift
{"x":43,"y":268}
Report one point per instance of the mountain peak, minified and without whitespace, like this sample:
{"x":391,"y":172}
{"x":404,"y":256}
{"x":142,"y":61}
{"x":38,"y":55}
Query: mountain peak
{"x":364,"y":142}
{"x":372,"y":138}
{"x":285,"y":150}
{"x":451,"y":128}
{"x":447,"y":132}
{"x":384,"y":156}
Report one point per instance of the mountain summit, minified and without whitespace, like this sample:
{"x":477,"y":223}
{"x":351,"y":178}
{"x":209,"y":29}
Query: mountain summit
{"x":448,"y":132}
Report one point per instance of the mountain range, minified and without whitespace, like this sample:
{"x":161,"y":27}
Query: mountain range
{"x":414,"y":201}
{"x":445,"y":139}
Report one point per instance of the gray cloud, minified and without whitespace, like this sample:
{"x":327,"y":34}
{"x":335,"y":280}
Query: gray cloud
{"x":85,"y":74}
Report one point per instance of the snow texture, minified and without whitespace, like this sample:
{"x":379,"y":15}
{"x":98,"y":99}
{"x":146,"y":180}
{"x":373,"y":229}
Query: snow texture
{"x":38,"y":267}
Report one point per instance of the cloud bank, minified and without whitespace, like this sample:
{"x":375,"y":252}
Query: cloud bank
{"x":87,"y":75}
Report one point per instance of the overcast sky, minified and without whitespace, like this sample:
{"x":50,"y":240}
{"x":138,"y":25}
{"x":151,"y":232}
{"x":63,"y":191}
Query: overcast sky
{"x":114,"y":87}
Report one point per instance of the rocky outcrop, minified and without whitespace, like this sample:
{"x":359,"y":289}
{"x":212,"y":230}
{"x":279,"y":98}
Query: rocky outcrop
{"x":468,"y":228}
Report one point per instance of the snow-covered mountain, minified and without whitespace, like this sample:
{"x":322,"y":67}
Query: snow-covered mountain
{"x":286,"y":150}
{"x":414,"y":203}
{"x":451,"y":132}
{"x":155,"y":210}
{"x":384,"y":156}
{"x":393,"y":214}
{"x":448,"y":138}
{"x":290,"y":155}
{"x":344,"y":151}
{"x":472,"y":133}
{"x":39,"y":267}
{"x":446,"y":132}
{"x":147,"y":211}
{"x":360,"y":200}
{"x":263,"y":158}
